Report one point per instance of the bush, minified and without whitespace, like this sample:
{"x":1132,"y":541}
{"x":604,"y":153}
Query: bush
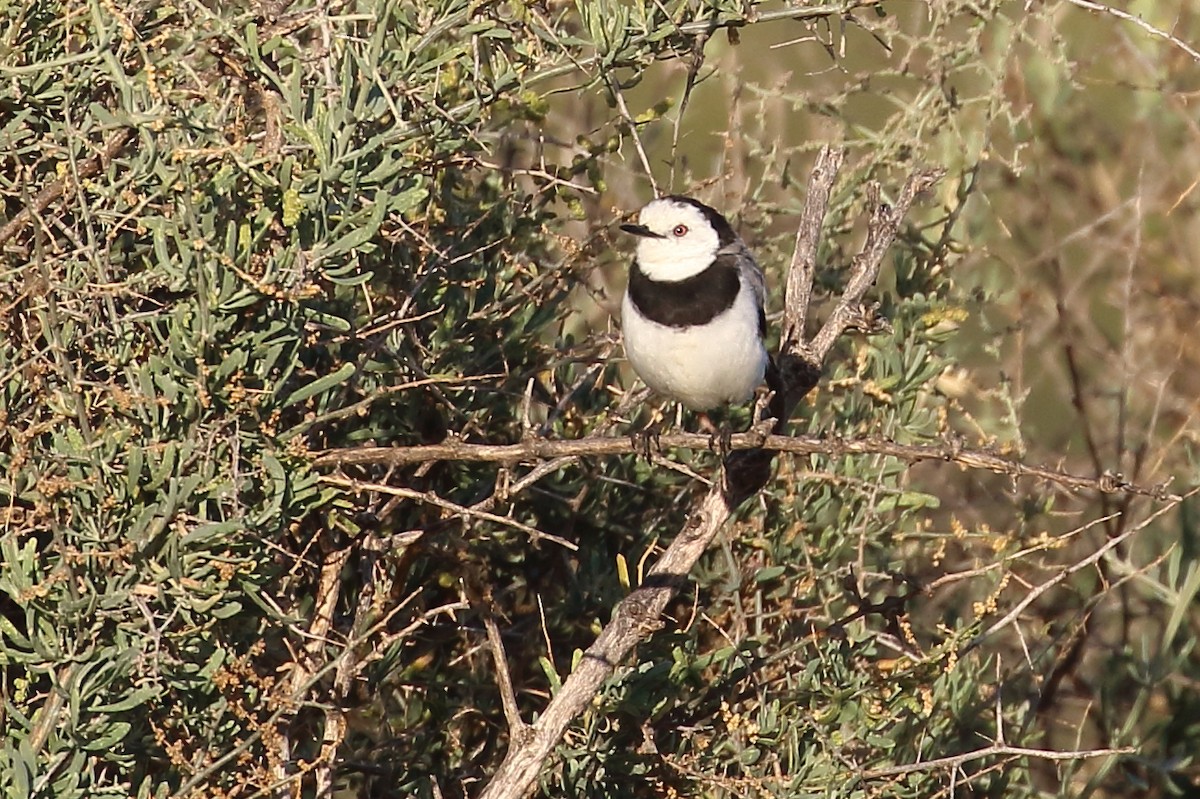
{"x":242,"y":243}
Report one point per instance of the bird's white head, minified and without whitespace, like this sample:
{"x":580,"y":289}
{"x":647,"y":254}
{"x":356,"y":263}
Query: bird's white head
{"x":678,"y":237}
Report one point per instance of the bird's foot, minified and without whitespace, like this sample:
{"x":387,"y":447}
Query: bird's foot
{"x":641,"y":439}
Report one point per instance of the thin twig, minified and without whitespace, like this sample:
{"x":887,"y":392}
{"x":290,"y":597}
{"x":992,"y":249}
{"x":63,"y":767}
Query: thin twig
{"x":362,"y":405}
{"x":508,"y":697}
{"x":1038,"y":590}
{"x":89,"y":168}
{"x":284,"y":708}
{"x":1141,"y":23}
{"x":1049,"y":543}
{"x":615,"y":88}
{"x":694,"y":66}
{"x":997,"y":750}
{"x":462,"y":510}
{"x":694,"y":28}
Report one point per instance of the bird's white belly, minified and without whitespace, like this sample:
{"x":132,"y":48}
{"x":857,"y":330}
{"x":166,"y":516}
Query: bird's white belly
{"x":701,"y":366}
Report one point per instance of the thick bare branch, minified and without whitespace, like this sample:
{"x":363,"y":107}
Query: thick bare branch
{"x":808,"y":237}
{"x":635,"y":618}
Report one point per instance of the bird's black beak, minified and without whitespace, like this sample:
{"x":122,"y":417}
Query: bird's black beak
{"x":643,"y":231}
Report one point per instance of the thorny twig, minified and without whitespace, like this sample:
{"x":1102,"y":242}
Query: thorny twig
{"x":1141,"y":23}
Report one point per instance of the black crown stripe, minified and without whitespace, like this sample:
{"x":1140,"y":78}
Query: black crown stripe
{"x":719,"y":223}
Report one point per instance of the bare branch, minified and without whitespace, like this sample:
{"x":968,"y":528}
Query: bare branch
{"x":634,"y":619}
{"x":881,"y":232}
{"x":58,"y":188}
{"x":1040,"y":546}
{"x":798,"y":294}
{"x":284,"y":708}
{"x":694,"y":28}
{"x":694,"y":65}
{"x":434,"y":499}
{"x":637,"y":616}
{"x":759,"y":17}
{"x":615,"y":87}
{"x":1037,"y":591}
{"x":566,"y":450}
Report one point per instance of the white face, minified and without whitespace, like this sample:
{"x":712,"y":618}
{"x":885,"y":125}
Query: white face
{"x":685,"y":243}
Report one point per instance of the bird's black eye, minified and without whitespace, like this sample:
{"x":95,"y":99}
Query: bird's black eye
{"x":679,"y":230}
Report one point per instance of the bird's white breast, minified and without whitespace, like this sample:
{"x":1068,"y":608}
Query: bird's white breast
{"x":702,"y":366}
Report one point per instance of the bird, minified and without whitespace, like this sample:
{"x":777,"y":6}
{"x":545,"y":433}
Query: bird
{"x":693,"y":317}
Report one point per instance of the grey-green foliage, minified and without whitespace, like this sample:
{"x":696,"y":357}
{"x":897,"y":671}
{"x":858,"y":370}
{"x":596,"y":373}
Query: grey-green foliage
{"x":295,"y":228}
{"x":333,"y":226}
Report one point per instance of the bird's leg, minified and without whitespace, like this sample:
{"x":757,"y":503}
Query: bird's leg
{"x":640,"y":439}
{"x":719,"y":436}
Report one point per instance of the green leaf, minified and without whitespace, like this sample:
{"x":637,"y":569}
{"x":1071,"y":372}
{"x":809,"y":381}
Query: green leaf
{"x":1183,"y":604}
{"x":115,"y":732}
{"x":551,"y":674}
{"x":321,"y":384}
{"x":769,"y":573}
{"x":135,"y":698}
{"x":364,"y":230}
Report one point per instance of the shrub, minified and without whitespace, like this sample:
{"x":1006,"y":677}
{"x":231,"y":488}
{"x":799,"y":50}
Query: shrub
{"x":238,"y":238}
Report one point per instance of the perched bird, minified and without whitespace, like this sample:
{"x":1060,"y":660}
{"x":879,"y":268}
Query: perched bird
{"x":693,"y":317}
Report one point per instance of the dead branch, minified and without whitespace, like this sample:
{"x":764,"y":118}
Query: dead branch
{"x":808,"y":238}
{"x":744,"y":473}
{"x":287,"y":704}
{"x":508,"y":697}
{"x":881,"y":232}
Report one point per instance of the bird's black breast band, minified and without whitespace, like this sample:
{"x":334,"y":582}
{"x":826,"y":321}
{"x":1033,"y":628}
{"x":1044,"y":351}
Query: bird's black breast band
{"x":696,"y":300}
